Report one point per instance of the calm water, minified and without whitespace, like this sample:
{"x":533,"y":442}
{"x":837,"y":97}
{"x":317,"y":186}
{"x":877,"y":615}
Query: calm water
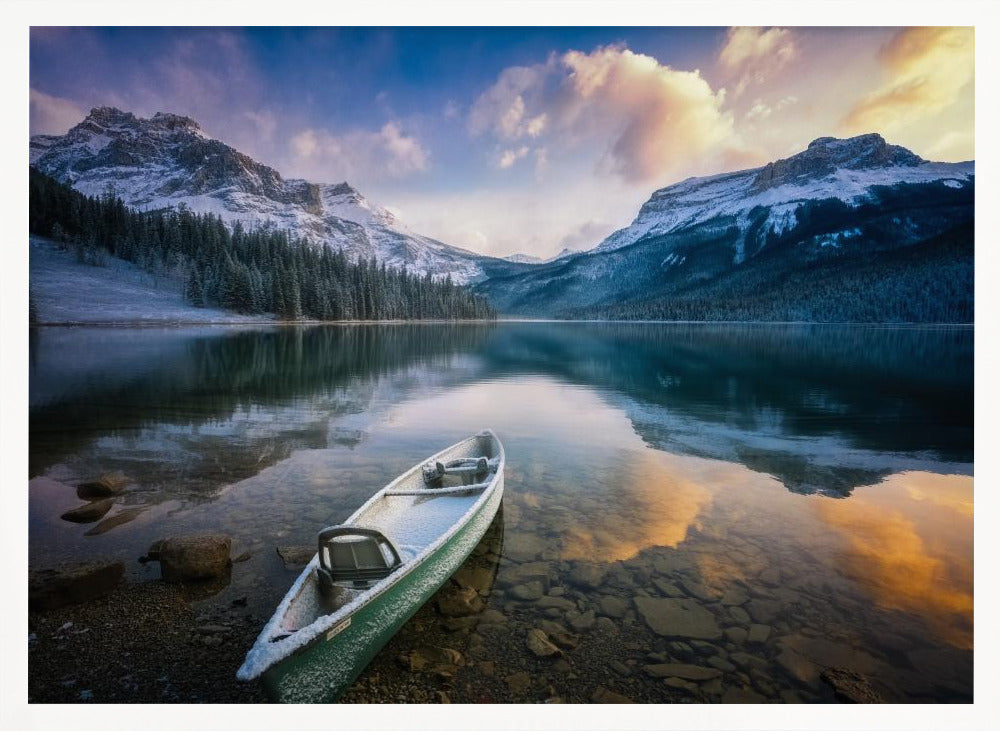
{"x":801,"y":495}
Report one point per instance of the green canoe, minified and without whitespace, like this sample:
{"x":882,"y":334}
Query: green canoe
{"x":374,"y":571}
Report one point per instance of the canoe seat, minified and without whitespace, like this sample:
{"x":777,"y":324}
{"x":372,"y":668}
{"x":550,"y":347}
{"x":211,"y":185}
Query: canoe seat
{"x":349,"y":553}
{"x":466,"y":466}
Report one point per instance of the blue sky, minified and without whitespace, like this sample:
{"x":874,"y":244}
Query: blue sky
{"x":517,"y":139}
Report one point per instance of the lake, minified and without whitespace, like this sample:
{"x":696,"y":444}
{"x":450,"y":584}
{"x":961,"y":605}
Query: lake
{"x":697,"y":512}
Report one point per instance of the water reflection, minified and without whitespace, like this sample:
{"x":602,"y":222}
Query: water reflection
{"x":911,"y":555}
{"x":809,"y":485}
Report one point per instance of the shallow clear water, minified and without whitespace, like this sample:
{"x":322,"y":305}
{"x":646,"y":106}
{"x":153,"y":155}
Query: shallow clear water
{"x":760,"y":502}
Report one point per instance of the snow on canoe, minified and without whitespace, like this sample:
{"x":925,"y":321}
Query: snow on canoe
{"x":374,"y":571}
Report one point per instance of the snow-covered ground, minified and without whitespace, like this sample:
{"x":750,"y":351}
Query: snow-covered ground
{"x":67,"y":292}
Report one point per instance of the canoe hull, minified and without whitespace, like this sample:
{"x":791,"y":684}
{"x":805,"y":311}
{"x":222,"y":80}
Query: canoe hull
{"x":321,"y":672}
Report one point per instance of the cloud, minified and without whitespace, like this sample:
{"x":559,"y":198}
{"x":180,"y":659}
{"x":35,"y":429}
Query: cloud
{"x":648,"y":121}
{"x":927,"y":70}
{"x":908,"y":557}
{"x":509,"y":157}
{"x":751,"y":55}
{"x":586,"y":235}
{"x":360,"y":154}
{"x":52,"y":115}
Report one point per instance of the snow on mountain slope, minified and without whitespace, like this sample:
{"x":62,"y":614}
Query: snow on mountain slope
{"x":830,"y":168}
{"x":168,"y":161}
{"x":529,"y":259}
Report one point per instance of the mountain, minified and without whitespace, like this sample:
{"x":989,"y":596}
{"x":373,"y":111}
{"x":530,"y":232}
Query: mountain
{"x":524,"y":259}
{"x":529,"y":259}
{"x":847,"y":229}
{"x":169,"y":161}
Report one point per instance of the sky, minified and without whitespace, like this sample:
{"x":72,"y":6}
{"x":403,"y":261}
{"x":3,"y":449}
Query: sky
{"x":518,"y":140}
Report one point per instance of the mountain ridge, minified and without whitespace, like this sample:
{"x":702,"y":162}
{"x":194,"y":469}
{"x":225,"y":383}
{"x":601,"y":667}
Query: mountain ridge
{"x":167,"y":160}
{"x":775,"y":243}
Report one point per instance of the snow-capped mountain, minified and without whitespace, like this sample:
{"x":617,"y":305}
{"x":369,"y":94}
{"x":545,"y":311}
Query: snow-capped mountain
{"x":829,"y":169}
{"x":169,"y":161}
{"x":529,"y":259}
{"x":847,"y":229}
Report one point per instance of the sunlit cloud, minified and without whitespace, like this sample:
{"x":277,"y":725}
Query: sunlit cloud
{"x":926,"y":71}
{"x":52,"y":115}
{"x":752,"y":55}
{"x":658,"y":509}
{"x":387,"y":153}
{"x":909,"y":558}
{"x":651,"y":121}
{"x":509,"y":157}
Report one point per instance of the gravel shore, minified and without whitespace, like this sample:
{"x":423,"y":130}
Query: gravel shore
{"x":143,"y":643}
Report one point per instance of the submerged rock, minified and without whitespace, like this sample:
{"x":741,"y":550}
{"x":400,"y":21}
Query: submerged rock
{"x":851,"y":687}
{"x":587,"y":575}
{"x":192,"y":557}
{"x":460,"y":602}
{"x":527,"y":592}
{"x":106,"y":485}
{"x":612,"y":606}
{"x":88,"y":513}
{"x":296,"y":556}
{"x":581,"y":622}
{"x":72,"y":583}
{"x":556,"y":602}
{"x":678,"y":618}
{"x":682,"y":670}
{"x":603,"y":695}
{"x":538,"y":643}
{"x":120,"y":518}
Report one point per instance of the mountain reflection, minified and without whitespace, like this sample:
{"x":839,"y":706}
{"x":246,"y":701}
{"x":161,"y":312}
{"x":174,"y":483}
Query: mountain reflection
{"x":822,"y":408}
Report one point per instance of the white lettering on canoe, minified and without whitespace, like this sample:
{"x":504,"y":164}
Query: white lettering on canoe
{"x":338,"y":629}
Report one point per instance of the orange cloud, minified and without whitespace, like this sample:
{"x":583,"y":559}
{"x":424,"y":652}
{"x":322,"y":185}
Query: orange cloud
{"x":653,"y":121}
{"x":927,"y":70}
{"x":908,"y":557}
{"x":755,"y":54}
{"x":657,"y":508}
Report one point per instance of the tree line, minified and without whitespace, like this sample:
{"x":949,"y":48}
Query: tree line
{"x":248,"y":270}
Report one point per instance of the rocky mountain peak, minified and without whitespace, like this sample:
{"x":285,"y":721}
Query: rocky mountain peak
{"x":175,"y":121}
{"x":110,"y":117}
{"x":825,"y":155}
{"x":167,"y":160}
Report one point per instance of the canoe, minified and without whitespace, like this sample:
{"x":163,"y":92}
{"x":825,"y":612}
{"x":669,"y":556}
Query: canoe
{"x":374,"y":571}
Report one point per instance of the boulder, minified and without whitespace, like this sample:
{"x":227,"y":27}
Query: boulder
{"x":678,"y":618}
{"x":106,"y":485}
{"x":192,"y":557}
{"x":89,"y":512}
{"x":72,"y":583}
